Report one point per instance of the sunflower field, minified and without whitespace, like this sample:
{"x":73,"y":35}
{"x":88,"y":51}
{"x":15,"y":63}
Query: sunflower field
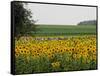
{"x":55,"y":55}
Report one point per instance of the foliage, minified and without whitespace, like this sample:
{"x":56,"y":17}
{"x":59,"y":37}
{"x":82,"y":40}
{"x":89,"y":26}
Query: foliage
{"x":22,"y":20}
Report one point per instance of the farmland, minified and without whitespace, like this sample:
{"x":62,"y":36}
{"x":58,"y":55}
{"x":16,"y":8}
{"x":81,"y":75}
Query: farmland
{"x":56,"y":48}
{"x":71,"y":54}
{"x":65,"y":30}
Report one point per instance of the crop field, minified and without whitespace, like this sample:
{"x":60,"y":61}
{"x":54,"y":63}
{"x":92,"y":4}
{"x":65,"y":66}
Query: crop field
{"x":57,"y":48}
{"x":70,"y":54}
{"x":65,"y":30}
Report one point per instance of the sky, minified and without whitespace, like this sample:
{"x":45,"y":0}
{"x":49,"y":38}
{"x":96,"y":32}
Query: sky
{"x":60,"y":14}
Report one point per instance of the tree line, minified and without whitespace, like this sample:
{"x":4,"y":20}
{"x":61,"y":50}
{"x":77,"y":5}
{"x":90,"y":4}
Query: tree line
{"x":88,"y":22}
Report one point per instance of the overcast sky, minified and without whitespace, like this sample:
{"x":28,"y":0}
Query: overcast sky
{"x":61,"y":14}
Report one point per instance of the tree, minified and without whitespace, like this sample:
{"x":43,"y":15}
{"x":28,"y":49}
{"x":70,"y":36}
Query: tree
{"x":88,"y":22}
{"x":24,"y":24}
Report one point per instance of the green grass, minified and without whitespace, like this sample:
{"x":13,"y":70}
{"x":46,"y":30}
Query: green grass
{"x":65,"y":30}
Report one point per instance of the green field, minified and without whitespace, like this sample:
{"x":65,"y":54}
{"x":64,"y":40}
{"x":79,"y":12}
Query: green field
{"x":66,"y":30}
